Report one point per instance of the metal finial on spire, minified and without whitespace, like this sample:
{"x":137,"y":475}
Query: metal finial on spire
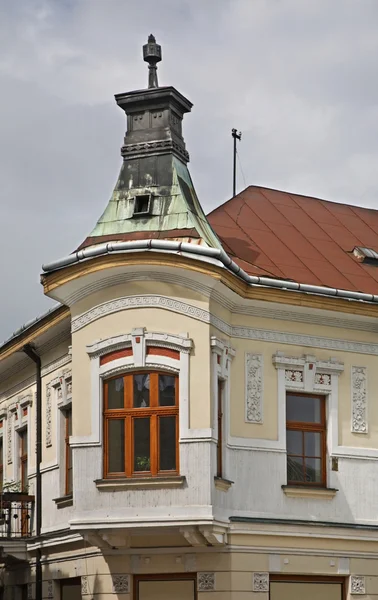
{"x":152,"y":55}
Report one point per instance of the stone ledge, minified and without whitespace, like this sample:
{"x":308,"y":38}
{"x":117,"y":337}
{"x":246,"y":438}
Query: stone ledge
{"x":64,"y":501}
{"x":222,"y":484}
{"x":140,"y":483}
{"x":293,"y":491}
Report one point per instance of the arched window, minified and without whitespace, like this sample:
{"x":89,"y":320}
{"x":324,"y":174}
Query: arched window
{"x":141,"y":424}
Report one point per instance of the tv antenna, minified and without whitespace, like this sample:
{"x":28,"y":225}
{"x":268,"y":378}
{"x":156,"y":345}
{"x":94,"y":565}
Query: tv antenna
{"x":237,"y":136}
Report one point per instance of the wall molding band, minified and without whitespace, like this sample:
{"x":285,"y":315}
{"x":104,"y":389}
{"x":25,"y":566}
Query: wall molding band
{"x":194,"y":312}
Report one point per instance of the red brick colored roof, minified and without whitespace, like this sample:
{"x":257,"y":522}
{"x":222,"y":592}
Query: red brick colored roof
{"x":288,"y":236}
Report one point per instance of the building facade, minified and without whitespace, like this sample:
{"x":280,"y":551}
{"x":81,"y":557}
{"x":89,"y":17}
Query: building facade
{"x":203,"y":409}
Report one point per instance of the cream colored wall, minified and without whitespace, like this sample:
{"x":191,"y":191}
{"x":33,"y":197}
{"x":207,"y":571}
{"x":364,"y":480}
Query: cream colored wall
{"x":233,"y":570}
{"x":153,"y":319}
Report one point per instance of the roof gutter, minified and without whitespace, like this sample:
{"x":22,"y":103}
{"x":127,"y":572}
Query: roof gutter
{"x":214,"y":253}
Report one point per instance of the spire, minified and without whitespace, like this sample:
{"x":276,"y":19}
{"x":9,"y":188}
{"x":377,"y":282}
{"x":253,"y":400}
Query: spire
{"x":154,"y":196}
{"x":152,"y":55}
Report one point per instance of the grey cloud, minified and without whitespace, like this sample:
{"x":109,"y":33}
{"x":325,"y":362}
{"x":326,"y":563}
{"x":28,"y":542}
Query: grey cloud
{"x":298,"y":78}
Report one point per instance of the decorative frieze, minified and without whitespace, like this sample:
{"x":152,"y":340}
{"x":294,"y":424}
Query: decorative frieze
{"x":48,"y":416}
{"x":254,"y":388}
{"x":206,"y":582}
{"x":357,"y":585}
{"x":84,"y":585}
{"x":9,"y":438}
{"x":292,"y":375}
{"x":121,"y":584}
{"x":50,"y":589}
{"x":322,"y":379}
{"x":30,"y":591}
{"x":359,"y":400}
{"x":260,"y":582}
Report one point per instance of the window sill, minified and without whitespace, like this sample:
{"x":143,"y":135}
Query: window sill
{"x":140,"y":483}
{"x":293,"y":491}
{"x":222,"y":484}
{"x":64,"y":501}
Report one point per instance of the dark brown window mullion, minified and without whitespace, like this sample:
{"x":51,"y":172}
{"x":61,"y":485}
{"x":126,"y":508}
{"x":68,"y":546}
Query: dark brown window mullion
{"x":116,"y":415}
{"x":128,"y":437}
{"x":128,"y":386}
{"x":154,"y":452}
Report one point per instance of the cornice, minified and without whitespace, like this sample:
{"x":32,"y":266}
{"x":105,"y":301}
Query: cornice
{"x":34,"y":332}
{"x":136,"y":276}
{"x":61,"y":277}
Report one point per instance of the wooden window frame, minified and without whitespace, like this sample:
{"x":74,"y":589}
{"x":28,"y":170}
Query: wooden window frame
{"x":304,"y":426}
{"x":128,"y":413}
{"x":220,"y":397}
{"x":68,"y":483}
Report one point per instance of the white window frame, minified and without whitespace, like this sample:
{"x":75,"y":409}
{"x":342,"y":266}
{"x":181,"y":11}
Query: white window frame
{"x":139,"y":339}
{"x":222,"y":356}
{"x":311,"y":376}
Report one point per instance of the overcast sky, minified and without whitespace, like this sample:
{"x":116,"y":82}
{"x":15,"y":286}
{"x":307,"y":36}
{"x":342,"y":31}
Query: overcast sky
{"x":298,"y":77}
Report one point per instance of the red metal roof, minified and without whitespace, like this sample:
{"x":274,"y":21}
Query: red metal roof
{"x":288,"y":236}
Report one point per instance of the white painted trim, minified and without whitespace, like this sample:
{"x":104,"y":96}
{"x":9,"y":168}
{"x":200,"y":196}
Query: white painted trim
{"x":181,"y":343}
{"x":222,"y":370}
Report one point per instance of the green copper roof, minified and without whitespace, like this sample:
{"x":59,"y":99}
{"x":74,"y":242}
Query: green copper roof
{"x":174,"y":205}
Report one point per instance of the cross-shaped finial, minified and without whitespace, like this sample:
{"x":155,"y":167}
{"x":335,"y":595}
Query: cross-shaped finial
{"x":152,"y":55}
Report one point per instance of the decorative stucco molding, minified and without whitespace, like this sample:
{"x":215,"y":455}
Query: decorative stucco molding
{"x":206,"y":582}
{"x":254,"y":388}
{"x":50,"y":589}
{"x":224,"y":355}
{"x":121,"y":584}
{"x":131,"y":302}
{"x":48,"y":416}
{"x":357,"y":585}
{"x":306,"y":372}
{"x":181,"y":343}
{"x":30,"y":591}
{"x":359,"y":400}
{"x":10,"y":436}
{"x":84,"y":585}
{"x":260,"y":582}
{"x":205,"y":316}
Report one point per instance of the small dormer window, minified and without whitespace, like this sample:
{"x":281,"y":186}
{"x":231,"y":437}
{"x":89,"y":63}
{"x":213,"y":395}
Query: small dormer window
{"x":142,"y":205}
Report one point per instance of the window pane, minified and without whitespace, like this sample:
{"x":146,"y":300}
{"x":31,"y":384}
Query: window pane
{"x":313,"y":443}
{"x":313,"y":467}
{"x":303,"y":408}
{"x":294,"y":442}
{"x":116,"y":445}
{"x":167,"y":440}
{"x":295,"y":468}
{"x":142,"y":444}
{"x":167,"y":396}
{"x":141,"y":391}
{"x":115,"y":393}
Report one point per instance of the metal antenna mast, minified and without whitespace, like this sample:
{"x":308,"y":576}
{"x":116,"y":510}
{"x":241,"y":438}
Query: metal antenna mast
{"x":237,"y":136}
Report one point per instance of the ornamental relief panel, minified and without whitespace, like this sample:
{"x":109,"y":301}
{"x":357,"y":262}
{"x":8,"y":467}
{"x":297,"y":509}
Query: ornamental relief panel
{"x":359,"y":400}
{"x":254,"y":388}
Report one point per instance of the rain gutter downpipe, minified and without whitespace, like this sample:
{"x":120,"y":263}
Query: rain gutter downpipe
{"x":31,"y":353}
{"x":214,"y":253}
